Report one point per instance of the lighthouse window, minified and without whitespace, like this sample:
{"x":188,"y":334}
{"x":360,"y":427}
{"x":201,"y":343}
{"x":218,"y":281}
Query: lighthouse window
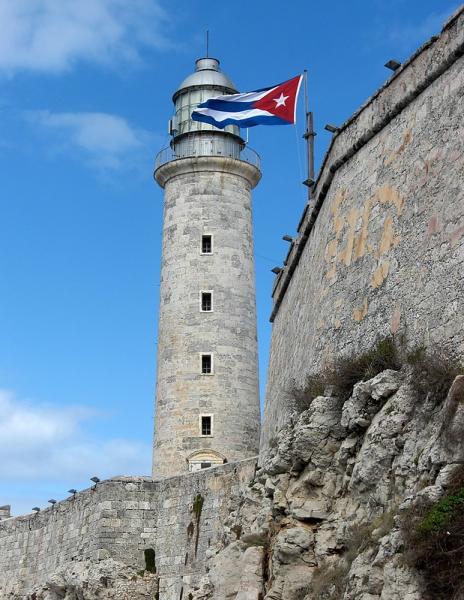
{"x":206,"y":364}
{"x":206,"y":424}
{"x":206,"y":244}
{"x":206,"y":301}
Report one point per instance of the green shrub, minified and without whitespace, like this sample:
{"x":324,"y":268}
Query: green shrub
{"x":302,"y":398}
{"x":329,"y":581}
{"x":442,"y":513}
{"x":342,"y":374}
{"x":432,"y":372}
{"x":347,"y":371}
{"x":434,"y":542}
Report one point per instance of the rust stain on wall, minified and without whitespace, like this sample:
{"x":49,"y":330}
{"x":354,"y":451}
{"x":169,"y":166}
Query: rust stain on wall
{"x":407,"y":139}
{"x":388,"y":236}
{"x":433,"y":226}
{"x":338,"y":224}
{"x":358,"y":245}
{"x":456,"y":235}
{"x":339,"y":198}
{"x":346,"y":254}
{"x":428,"y":167}
{"x":337,"y":227}
{"x":361,"y":312}
{"x":389,"y":195}
{"x":330,"y":274}
{"x":395,"y":320}
{"x":380,"y":274}
{"x":331,"y":250}
{"x":361,"y":240}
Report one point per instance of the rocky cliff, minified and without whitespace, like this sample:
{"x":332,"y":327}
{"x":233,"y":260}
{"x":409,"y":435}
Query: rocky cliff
{"x":106,"y":580}
{"x":332,"y":508}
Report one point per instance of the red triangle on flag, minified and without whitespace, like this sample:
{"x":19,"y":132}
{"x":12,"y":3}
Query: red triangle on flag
{"x":281,"y":100}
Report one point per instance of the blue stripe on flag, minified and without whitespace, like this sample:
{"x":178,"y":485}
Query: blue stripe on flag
{"x":226,"y":105}
{"x":250,"y":122}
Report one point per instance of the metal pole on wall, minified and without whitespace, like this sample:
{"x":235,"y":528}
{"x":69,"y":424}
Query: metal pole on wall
{"x":309,"y":135}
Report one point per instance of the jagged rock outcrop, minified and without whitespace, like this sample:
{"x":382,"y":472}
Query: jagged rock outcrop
{"x":322,"y":518}
{"x":103,"y":580}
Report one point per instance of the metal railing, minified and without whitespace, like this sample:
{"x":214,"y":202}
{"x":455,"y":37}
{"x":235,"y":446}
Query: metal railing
{"x":207,"y":148}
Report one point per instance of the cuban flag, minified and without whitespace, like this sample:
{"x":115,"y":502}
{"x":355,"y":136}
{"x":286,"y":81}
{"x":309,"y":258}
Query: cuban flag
{"x":269,"y":106}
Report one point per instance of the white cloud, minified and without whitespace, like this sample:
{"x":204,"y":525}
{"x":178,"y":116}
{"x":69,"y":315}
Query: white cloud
{"x":52,"y":35}
{"x":41,"y":443}
{"x":104,"y":141}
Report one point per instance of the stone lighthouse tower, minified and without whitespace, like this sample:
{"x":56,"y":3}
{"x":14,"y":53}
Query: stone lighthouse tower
{"x":207,"y":399}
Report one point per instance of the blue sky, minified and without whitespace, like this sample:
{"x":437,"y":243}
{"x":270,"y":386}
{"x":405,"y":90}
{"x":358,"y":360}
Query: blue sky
{"x":85,"y":96}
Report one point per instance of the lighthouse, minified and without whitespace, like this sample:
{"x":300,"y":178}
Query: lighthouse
{"x":207,"y":398}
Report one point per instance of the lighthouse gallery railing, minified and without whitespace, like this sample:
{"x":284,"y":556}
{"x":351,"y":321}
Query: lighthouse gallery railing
{"x":207,"y":148}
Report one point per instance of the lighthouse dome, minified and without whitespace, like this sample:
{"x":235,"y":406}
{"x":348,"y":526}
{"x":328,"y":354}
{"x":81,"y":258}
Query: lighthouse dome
{"x":207,"y":73}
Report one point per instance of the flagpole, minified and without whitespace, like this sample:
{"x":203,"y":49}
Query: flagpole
{"x":309,"y":135}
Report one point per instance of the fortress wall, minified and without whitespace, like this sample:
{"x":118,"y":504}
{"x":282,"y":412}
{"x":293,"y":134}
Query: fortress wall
{"x":119,"y":520}
{"x":380,"y":248}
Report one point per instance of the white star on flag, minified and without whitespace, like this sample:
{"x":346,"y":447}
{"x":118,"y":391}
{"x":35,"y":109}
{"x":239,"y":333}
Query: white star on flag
{"x":280,"y":101}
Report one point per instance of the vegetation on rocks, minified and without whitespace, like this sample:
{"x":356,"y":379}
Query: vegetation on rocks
{"x":329,"y":582}
{"x":442,"y":514}
{"x":432,"y":371}
{"x":343,"y":373}
{"x":434,"y":542}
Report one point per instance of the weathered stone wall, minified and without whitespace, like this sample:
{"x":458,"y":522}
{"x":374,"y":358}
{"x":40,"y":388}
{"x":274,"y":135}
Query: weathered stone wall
{"x":206,"y":195}
{"x":55,"y":551}
{"x":380,"y":248}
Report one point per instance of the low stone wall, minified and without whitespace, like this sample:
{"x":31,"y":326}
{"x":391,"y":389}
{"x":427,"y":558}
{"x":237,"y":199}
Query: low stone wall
{"x":178,"y":518}
{"x":380,"y":248}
